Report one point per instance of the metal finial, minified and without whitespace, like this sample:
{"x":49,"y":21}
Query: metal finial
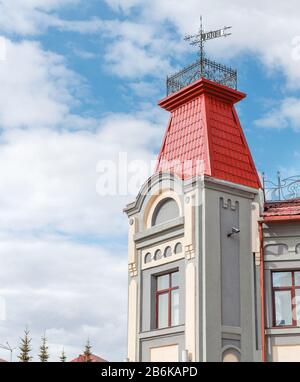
{"x":203,"y":67}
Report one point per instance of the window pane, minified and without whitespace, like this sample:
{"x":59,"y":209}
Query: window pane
{"x":283,"y":308}
{"x":297,"y":303}
{"x":163,"y":309}
{"x":168,"y":252}
{"x":157,"y":255}
{"x":282,"y":279}
{"x":175,"y":279}
{"x":297,"y":278}
{"x":163,"y":282}
{"x":178,"y":248}
{"x":175,"y":307}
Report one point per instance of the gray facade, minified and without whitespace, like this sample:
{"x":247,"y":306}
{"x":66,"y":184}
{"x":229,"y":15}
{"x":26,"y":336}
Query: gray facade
{"x":219,"y":310}
{"x":281,"y":253}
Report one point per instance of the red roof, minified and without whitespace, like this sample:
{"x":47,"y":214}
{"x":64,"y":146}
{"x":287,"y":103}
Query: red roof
{"x":283,"y":210}
{"x":204,"y":136}
{"x":94,"y":358}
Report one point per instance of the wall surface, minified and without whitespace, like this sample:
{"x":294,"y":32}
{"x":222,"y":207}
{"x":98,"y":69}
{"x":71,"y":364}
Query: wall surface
{"x":219,"y":308}
{"x":281,"y":252}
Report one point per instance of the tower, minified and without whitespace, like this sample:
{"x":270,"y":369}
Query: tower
{"x":193,"y":232}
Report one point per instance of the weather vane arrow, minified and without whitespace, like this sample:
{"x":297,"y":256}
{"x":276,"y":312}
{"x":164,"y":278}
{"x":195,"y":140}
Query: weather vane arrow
{"x":200,"y":38}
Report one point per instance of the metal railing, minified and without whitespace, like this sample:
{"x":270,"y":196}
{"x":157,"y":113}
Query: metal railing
{"x":211,"y":70}
{"x":282,"y":188}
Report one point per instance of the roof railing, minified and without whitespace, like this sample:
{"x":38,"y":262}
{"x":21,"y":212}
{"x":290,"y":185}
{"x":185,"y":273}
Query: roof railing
{"x":205,"y":68}
{"x":281,"y":189}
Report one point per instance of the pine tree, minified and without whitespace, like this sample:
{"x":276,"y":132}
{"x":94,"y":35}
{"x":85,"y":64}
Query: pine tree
{"x":88,"y":352}
{"x":25,"y":348}
{"x":44,"y":355}
{"x":63,"y":357}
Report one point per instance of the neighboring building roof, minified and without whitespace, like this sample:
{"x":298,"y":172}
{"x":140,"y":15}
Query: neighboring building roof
{"x":94,"y":358}
{"x":204,"y":128}
{"x":282,"y":210}
{"x":3,"y":360}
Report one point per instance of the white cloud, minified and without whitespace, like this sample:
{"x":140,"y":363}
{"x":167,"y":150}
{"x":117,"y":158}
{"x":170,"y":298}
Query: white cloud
{"x":285,"y":115}
{"x":49,"y":178}
{"x":27,"y":17}
{"x":49,"y":204}
{"x":36,"y":86}
{"x":267,"y":29}
{"x":33,"y":17}
{"x":124,"y":5}
{"x":63,"y":287}
{"x":127,"y":60}
{"x":138,"y":49}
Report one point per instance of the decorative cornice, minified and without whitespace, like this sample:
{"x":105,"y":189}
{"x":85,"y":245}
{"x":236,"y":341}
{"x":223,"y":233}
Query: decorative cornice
{"x":198,"y":88}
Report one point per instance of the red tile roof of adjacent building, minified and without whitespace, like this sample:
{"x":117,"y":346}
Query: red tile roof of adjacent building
{"x":94,"y":358}
{"x":204,"y":136}
{"x":282,"y":210}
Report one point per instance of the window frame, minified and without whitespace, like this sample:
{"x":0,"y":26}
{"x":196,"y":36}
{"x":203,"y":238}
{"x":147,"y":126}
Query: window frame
{"x":167,"y":291}
{"x":292,"y":289}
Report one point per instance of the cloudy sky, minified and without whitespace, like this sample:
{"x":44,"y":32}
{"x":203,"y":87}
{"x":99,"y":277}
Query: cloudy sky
{"x":79,"y":82}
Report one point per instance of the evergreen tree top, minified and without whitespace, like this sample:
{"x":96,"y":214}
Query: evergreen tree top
{"x":25,"y":347}
{"x":88,"y":351}
{"x":44,"y":353}
{"x":63,"y":357}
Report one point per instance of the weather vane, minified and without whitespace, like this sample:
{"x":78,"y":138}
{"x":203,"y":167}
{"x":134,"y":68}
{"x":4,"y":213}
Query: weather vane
{"x":200,"y":38}
{"x":203,"y":67}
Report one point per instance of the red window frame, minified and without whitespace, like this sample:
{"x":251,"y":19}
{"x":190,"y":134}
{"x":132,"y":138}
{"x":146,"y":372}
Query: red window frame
{"x":291,"y":289}
{"x":165,"y":291}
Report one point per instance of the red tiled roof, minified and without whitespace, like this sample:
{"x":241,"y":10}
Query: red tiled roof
{"x":287,"y":209}
{"x":204,"y":135}
{"x":94,"y":358}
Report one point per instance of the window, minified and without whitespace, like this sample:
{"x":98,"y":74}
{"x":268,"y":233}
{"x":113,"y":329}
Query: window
{"x":167,"y":300}
{"x":165,"y":211}
{"x":168,"y":252}
{"x":158,"y":255}
{"x":148,"y":258}
{"x":178,"y":248}
{"x":286,"y":298}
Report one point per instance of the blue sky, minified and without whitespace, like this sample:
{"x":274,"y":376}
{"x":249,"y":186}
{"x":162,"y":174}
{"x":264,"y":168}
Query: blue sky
{"x":80,"y":81}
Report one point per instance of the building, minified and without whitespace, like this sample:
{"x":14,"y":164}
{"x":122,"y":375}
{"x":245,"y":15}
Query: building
{"x":94,"y":358}
{"x":214,"y":268}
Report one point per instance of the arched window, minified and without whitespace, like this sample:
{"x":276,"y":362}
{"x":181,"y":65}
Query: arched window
{"x":168,"y":252}
{"x":148,"y":258}
{"x":165,"y":211}
{"x":178,"y":248}
{"x":157,"y":255}
{"x":276,"y":249}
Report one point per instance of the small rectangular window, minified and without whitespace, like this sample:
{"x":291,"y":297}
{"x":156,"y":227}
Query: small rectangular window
{"x":163,"y":310}
{"x":163,"y":282}
{"x":283,"y":305}
{"x":167,"y":300}
{"x":282,"y":279}
{"x":286,"y":298}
